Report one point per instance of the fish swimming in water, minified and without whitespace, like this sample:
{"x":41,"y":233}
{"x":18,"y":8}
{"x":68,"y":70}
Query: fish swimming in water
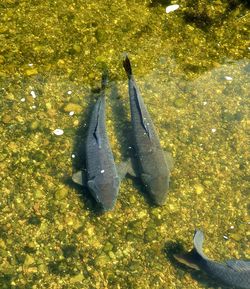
{"x":102,"y":178}
{"x":154,"y":170}
{"x":234,"y":273}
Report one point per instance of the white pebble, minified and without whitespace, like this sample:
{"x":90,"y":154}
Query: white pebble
{"x":228,"y":78}
{"x":73,"y":156}
{"x":58,"y":131}
{"x":204,"y":102}
{"x":33,"y":94}
{"x":102,"y":171}
{"x":23,"y":99}
{"x":225,"y":237}
{"x":231,"y":227}
{"x":69,"y":92}
{"x":30,"y":64}
{"x":213,"y":129}
{"x":172,"y":8}
{"x":33,"y":106}
{"x":71,"y":113}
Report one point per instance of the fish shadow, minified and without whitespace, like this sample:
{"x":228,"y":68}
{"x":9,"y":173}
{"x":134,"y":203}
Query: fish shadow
{"x":175,"y":247}
{"x":123,"y":130}
{"x":122,"y":125}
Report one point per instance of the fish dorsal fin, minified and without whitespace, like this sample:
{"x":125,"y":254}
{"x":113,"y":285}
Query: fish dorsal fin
{"x":238,"y":265}
{"x":96,"y":132}
{"x":144,"y":121}
{"x":198,"y":242}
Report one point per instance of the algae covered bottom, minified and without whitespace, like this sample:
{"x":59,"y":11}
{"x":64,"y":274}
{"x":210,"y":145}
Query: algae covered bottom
{"x":192,"y":68}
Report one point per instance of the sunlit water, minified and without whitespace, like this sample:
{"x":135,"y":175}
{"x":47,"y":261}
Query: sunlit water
{"x":192,"y":68}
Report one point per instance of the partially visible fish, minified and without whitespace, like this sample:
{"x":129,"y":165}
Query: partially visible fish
{"x":234,"y":273}
{"x":102,"y":177}
{"x":154,"y":170}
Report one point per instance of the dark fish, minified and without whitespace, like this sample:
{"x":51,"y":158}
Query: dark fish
{"x":234,"y":273}
{"x":154,"y":170}
{"x":102,"y":177}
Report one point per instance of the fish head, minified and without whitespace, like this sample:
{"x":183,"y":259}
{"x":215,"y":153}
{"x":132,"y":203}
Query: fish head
{"x":105,"y":191}
{"x":157,"y":186}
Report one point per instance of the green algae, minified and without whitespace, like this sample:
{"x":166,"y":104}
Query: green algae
{"x":51,"y":234}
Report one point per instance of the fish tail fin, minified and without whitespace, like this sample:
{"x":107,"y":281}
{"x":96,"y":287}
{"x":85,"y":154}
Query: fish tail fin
{"x":127,"y":66}
{"x":198,"y":242}
{"x":190,"y":259}
{"x":196,"y":255}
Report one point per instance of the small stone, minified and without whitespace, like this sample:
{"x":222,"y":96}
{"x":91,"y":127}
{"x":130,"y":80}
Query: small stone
{"x":150,"y":235}
{"x":69,"y":221}
{"x":198,"y":189}
{"x":69,"y":251}
{"x":38,"y":194}
{"x":172,"y":8}
{"x":30,"y":72}
{"x":73,"y":107}
{"x":102,"y":260}
{"x":34,"y":125}
{"x":10,"y":96}
{"x":180,"y":103}
{"x":236,"y":236}
{"x":33,"y":94}
{"x":132,"y":199}
{"x":108,"y":247}
{"x":34,"y":220}
{"x":61,"y":193}
{"x":29,"y":260}
{"x":48,"y":105}
{"x":77,"y":278}
{"x":229,"y":78}
{"x":77,"y":48}
{"x":6,"y":119}
{"x":58,"y":131}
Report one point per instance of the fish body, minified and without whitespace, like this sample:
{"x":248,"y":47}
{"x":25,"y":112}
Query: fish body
{"x":102,"y":177}
{"x":233,"y":273}
{"x":153,"y":168}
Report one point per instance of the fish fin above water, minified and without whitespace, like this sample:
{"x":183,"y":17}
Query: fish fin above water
{"x":198,"y":242}
{"x":238,"y":265}
{"x":78,"y":178}
{"x":169,"y":159}
{"x":189,"y":259}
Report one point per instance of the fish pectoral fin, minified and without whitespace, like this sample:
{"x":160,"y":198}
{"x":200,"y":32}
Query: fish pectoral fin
{"x":146,"y":178}
{"x":78,"y":178}
{"x":126,"y":167}
{"x":238,"y":265}
{"x":189,"y":259}
{"x":169,"y":159}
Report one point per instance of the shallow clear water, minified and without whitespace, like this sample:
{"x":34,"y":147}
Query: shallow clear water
{"x":192,"y":68}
